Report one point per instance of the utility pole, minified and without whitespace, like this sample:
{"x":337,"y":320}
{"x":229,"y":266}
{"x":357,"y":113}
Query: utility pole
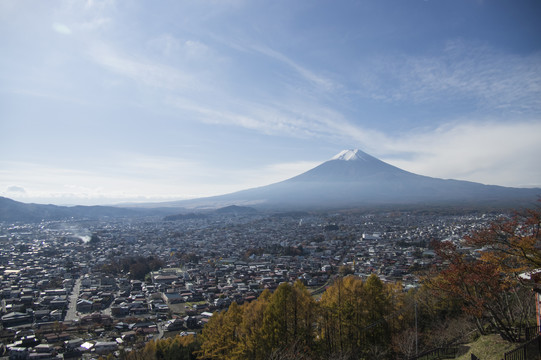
{"x":416,"y":332}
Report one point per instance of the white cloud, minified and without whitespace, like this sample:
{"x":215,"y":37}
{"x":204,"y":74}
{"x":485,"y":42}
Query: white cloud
{"x":61,"y":28}
{"x":99,"y":5}
{"x":124,"y":177}
{"x":135,"y":177}
{"x":488,"y":152}
{"x":96,"y":23}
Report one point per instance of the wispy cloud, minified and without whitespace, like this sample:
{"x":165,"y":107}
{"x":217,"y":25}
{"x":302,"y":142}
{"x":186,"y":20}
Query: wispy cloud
{"x":321,"y":82}
{"x":182,"y":49}
{"x":294,"y":118}
{"x":144,"y":71}
{"x":463,"y":72}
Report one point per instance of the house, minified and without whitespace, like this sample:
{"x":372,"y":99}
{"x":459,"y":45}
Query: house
{"x":174,"y":324}
{"x":56,"y":315}
{"x":16,"y":318}
{"x":73,"y":343}
{"x":97,"y":318}
{"x":120,"y":310}
{"x":18,"y":353}
{"x":86,"y":346}
{"x":84,"y":305}
{"x":172,"y":297}
{"x":138,"y":307}
{"x":43,"y":352}
{"x":164,"y":279}
{"x":104,"y":347}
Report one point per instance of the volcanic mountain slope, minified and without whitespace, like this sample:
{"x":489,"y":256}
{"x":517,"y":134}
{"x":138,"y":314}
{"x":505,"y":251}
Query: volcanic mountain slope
{"x":354,"y":178}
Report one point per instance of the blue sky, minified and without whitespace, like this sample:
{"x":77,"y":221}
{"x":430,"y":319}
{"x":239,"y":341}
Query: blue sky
{"x":111,"y":101}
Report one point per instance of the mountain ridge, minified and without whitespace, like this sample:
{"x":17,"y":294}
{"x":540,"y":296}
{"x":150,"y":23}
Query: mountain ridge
{"x":350,"y":179}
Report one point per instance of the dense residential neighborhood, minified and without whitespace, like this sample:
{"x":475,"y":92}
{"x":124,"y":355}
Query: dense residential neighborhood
{"x":81,"y":289}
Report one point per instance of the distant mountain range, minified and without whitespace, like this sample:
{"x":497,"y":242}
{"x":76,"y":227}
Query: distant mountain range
{"x":350,"y":179}
{"x":353,"y":178}
{"x":13,"y":211}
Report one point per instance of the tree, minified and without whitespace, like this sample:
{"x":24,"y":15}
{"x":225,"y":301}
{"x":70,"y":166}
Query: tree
{"x":251,"y":345}
{"x":221,"y":336}
{"x":514,"y":244}
{"x":487,"y":285}
{"x":177,"y":348}
{"x":345,"y":270}
{"x":404,"y":343}
{"x":288,"y":318}
{"x":271,"y":323}
{"x":353,"y":316}
{"x":377,"y":306}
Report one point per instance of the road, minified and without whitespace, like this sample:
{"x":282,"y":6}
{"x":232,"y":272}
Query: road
{"x":71,"y":314}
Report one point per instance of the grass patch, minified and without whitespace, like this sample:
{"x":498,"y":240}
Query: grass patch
{"x":488,"y":347}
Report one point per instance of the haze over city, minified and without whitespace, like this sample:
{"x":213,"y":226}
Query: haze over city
{"x":107,"y":101}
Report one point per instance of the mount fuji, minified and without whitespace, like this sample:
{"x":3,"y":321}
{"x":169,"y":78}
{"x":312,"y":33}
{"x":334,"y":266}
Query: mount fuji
{"x":354,"y":178}
{"x":351,"y":179}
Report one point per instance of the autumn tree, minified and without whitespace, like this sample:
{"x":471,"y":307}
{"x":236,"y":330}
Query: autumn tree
{"x":486,"y":293}
{"x":432,"y":319}
{"x":288,"y":318}
{"x":377,"y":306}
{"x":221,"y":336}
{"x":254,"y":330}
{"x":176,"y":348}
{"x":488,"y":284}
{"x":252,"y":345}
{"x":355,"y":316}
{"x":513,"y":244}
{"x":341,"y":313}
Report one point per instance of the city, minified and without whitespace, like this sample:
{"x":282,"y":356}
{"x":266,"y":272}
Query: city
{"x":84,"y":288}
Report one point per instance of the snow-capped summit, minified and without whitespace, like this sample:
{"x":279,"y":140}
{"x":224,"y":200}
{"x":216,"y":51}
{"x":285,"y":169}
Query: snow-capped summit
{"x":354,"y":178}
{"x":352,"y":154}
